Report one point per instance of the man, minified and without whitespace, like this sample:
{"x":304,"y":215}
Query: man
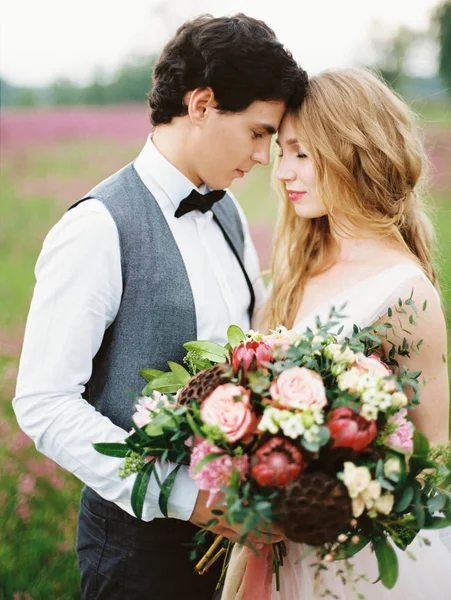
{"x":150,"y":259}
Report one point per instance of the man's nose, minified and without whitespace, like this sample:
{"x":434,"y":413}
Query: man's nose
{"x":262,"y":155}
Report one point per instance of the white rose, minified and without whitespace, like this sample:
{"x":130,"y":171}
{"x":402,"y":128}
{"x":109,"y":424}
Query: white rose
{"x":349,"y":380}
{"x":398,"y":400}
{"x":371,"y":494}
{"x":347,"y":356}
{"x":384,"y":504}
{"x":391,"y":466}
{"x":332,"y":351}
{"x":356,"y":479}
{"x":358,"y":506}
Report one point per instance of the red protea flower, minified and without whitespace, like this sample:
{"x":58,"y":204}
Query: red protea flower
{"x":246,"y":352}
{"x":278,"y":463}
{"x":350,"y":430}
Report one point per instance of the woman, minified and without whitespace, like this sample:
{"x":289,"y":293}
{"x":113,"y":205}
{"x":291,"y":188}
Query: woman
{"x":352,"y":229}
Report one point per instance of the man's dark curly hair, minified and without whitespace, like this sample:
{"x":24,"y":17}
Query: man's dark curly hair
{"x":239,"y":57}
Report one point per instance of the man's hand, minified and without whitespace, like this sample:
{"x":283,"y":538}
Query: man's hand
{"x":201,"y":515}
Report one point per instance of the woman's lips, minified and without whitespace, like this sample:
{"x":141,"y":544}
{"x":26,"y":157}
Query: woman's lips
{"x":293,"y":196}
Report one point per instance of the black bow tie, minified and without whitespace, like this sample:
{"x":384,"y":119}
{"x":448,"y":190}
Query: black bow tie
{"x":198,"y":201}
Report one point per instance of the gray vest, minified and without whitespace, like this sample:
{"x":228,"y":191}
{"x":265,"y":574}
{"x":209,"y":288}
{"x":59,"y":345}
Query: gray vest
{"x":157,"y":313}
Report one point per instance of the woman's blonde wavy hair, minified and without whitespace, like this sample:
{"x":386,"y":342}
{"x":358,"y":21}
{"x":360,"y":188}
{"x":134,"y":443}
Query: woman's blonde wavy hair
{"x":369,"y":163}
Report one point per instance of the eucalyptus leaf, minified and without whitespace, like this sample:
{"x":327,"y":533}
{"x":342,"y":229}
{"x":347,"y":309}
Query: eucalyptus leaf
{"x":387,"y":562}
{"x":140,"y":488}
{"x":180,"y":372}
{"x":437,"y":502}
{"x":209,"y":350}
{"x":115,"y":449}
{"x":405,"y":499}
{"x":235,"y":335}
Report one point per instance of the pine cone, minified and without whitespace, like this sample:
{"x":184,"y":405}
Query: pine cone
{"x":315,"y":509}
{"x":202,"y":384}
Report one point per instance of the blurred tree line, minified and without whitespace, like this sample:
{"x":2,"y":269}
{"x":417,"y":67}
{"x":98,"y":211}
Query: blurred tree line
{"x":393,"y":55}
{"x":130,"y":83}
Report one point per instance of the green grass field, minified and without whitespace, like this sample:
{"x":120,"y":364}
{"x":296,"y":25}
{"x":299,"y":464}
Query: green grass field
{"x":38,"y":501}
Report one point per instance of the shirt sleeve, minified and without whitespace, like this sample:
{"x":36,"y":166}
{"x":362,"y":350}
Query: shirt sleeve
{"x":76,"y":297}
{"x":251,"y":260}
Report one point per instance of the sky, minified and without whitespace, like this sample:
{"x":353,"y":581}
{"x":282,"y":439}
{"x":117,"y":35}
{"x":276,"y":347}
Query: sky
{"x":42,"y":40}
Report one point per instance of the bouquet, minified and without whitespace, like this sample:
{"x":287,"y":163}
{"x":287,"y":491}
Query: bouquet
{"x":296,"y":430}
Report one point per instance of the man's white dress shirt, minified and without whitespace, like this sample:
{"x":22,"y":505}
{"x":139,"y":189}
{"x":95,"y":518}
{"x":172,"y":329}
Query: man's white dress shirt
{"x":77,"y":296}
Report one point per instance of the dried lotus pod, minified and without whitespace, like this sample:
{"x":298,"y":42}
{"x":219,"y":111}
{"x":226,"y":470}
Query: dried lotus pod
{"x":315,"y":509}
{"x":203,"y":383}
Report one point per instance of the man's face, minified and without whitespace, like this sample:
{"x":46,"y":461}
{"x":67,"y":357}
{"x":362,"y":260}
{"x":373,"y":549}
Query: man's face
{"x":228,"y":145}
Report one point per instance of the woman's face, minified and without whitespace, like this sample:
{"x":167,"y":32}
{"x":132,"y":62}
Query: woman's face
{"x":297,"y":173}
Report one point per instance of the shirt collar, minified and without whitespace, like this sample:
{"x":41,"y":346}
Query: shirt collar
{"x":150,"y":163}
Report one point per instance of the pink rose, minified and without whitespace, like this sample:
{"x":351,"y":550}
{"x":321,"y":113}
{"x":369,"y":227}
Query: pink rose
{"x":371,"y":364}
{"x":218,"y":472}
{"x":296,"y":387}
{"x":278,"y":341}
{"x":403,"y":436}
{"x":229,"y":408}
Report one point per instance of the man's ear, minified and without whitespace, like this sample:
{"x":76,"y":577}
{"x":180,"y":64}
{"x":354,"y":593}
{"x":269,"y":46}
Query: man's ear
{"x":199,"y":101}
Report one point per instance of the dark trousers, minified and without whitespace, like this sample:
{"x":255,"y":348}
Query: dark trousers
{"x":123,"y":558}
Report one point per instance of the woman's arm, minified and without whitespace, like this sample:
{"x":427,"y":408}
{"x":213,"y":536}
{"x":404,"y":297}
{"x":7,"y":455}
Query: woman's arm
{"x":431,"y":417}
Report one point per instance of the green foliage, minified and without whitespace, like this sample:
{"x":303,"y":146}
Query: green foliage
{"x":442,"y":20}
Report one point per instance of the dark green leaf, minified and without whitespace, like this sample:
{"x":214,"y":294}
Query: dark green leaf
{"x":425,"y":304}
{"x":390,"y":312}
{"x":166,"y":489}
{"x":420,"y":445}
{"x":348,"y":549}
{"x":387,"y":562}
{"x":112,"y":449}
{"x":140,"y":488}
{"x":192,"y":423}
{"x":437,"y":523}
{"x":418,"y":509}
{"x":405,"y":499}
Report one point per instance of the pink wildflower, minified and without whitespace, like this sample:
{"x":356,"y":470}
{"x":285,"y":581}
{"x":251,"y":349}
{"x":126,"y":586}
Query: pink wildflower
{"x":218,"y":471}
{"x":26,"y":484}
{"x":403,"y":436}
